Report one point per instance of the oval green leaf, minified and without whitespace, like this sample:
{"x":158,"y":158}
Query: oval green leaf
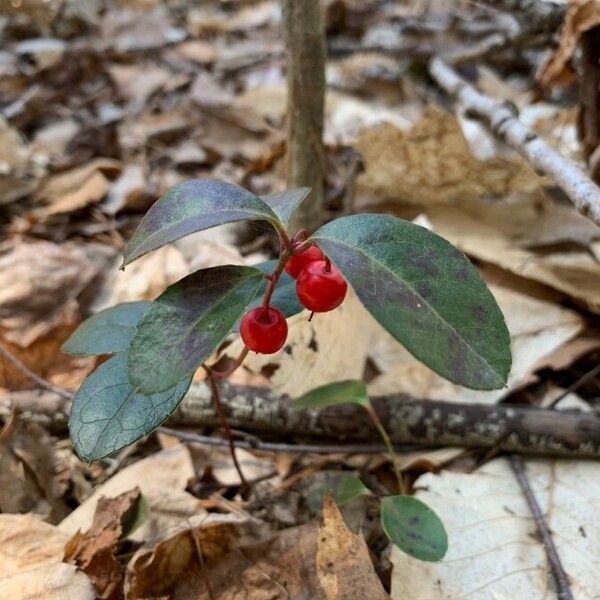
{"x":108,"y":413}
{"x":344,"y":487}
{"x":426,"y":293}
{"x":186,"y":324}
{"x":283,"y":204}
{"x":108,"y":331}
{"x":414,"y":527}
{"x":340,"y":392}
{"x":192,"y":206}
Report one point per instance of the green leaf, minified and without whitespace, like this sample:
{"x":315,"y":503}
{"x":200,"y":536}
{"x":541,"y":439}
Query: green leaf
{"x":340,"y":392}
{"x":414,"y":527}
{"x":284,"y":297}
{"x":426,"y":293}
{"x":108,"y":331}
{"x":283,"y":204}
{"x":186,"y":324}
{"x":193,"y":206}
{"x":343,"y":487}
{"x":108,"y":413}
{"x":136,"y":517}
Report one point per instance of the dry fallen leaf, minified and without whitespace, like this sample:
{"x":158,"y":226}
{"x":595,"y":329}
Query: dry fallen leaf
{"x":494,"y":550}
{"x":26,"y":543}
{"x":162,"y":478}
{"x":55,"y":582}
{"x":94,"y":551}
{"x":155,"y":571}
{"x":27,"y":468}
{"x":31,"y":552}
{"x":581,"y":16}
{"x":573,"y":271}
{"x":344,"y":567}
{"x":432,"y":163}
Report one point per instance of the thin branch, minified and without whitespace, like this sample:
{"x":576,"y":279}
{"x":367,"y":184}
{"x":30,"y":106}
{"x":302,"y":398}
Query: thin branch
{"x":187,"y":436}
{"x":561,"y":578}
{"x":502,"y":119}
{"x":43,"y":383}
{"x":576,"y":385}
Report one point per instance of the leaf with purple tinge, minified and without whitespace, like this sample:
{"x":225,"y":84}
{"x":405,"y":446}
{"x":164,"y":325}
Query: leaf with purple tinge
{"x":192,"y":206}
{"x":285,"y":203}
{"x":426,"y":293}
{"x":186,"y":324}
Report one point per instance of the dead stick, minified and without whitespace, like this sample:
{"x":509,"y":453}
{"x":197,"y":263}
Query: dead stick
{"x":562,"y":581}
{"x":503,"y":121}
{"x":516,"y":429}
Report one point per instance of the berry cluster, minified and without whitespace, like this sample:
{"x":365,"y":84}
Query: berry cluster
{"x":320,"y":288}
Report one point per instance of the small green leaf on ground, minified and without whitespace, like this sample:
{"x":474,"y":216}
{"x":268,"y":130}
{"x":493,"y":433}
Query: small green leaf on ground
{"x":414,"y":527}
{"x":108,"y":414}
{"x":283,"y":204}
{"x":339,"y":392}
{"x":344,"y":488}
{"x":186,"y":324}
{"x":426,"y":293}
{"x":108,"y":331}
{"x":192,"y":206}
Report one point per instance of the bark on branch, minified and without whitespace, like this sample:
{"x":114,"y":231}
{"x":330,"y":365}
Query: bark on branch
{"x":503,"y":121}
{"x":408,"y":420}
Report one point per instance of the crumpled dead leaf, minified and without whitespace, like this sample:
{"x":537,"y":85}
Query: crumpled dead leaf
{"x":494,"y":550}
{"x":581,"y":16}
{"x":162,"y":478}
{"x":432,"y":163}
{"x":489,"y":236}
{"x":27,"y":468}
{"x":94,"y":551}
{"x":31,"y":552}
{"x":26,"y":543}
{"x":157,"y":570}
{"x":78,"y":188}
{"x":344,"y":567}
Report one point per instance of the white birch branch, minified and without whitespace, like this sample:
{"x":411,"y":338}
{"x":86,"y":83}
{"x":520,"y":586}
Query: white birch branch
{"x":504,"y":123}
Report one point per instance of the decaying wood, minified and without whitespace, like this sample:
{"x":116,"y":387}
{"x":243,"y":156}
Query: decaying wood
{"x":504,"y":123}
{"x":408,"y":420}
{"x":305,"y":43}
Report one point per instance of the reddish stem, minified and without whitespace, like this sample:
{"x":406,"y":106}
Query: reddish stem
{"x":327,"y":265}
{"x":216,"y":396}
{"x":238,"y":363}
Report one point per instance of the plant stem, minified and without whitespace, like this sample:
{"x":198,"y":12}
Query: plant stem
{"x":238,"y":363}
{"x":388,"y":444}
{"x":274,"y":277}
{"x":216,"y":396}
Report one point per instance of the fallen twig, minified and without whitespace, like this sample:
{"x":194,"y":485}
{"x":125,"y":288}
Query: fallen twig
{"x":562,"y":581}
{"x":504,"y":123}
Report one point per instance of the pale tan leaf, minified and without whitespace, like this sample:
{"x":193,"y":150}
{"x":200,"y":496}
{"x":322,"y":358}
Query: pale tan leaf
{"x":493,"y":550}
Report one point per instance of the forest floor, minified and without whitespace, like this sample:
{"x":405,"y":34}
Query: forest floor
{"x":106,"y":105}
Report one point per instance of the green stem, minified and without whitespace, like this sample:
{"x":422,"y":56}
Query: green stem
{"x":388,"y":444}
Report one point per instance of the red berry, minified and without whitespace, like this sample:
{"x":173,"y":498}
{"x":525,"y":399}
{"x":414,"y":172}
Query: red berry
{"x":264,"y":330}
{"x":320,"y":288}
{"x":297,"y":262}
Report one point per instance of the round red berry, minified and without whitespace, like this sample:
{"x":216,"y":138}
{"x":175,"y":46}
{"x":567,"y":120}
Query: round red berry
{"x":321,"y":287}
{"x":264,"y":330}
{"x":297,"y":262}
